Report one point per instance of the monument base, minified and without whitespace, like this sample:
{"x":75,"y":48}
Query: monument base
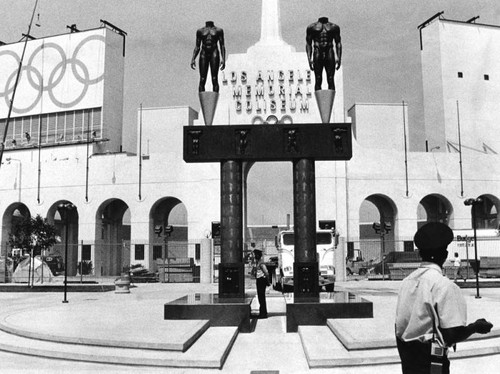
{"x":316,"y":310}
{"x":219,"y":311}
{"x":324,"y":99}
{"x":208,"y":101}
{"x":305,"y":284}
{"x":232,"y":280}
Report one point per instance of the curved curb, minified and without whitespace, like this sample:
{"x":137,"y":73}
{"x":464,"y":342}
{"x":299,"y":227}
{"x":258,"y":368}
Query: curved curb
{"x":331,"y":352}
{"x":198,"y":329}
{"x":394,"y":359}
{"x":352,"y":344}
{"x":136,"y":361}
{"x":213,"y":360}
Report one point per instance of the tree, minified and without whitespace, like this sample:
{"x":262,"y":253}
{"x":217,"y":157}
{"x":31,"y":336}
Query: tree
{"x":33,"y":234}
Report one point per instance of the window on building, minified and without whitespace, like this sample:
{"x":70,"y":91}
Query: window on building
{"x":86,"y":252}
{"x":408,"y":246}
{"x":139,"y":252}
{"x":197,"y":251}
{"x":55,"y":128}
{"x":486,"y":77}
{"x":460,"y":74}
{"x":157,"y":251}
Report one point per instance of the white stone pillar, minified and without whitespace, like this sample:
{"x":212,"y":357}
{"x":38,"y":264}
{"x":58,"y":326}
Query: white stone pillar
{"x":270,"y":28}
{"x":206,"y":261}
{"x":339,"y":260}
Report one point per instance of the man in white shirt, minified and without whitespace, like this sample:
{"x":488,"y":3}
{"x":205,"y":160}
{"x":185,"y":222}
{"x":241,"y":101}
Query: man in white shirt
{"x":456,"y":267}
{"x":431,"y":312}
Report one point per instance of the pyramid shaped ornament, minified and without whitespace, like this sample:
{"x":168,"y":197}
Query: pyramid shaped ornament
{"x":208,"y":101}
{"x":324,"y":98}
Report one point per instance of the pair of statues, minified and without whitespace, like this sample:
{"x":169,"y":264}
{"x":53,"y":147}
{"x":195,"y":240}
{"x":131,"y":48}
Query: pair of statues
{"x":323,"y":48}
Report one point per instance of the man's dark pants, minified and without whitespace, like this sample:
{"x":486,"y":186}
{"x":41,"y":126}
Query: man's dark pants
{"x":261,"y":295}
{"x":416,"y":357}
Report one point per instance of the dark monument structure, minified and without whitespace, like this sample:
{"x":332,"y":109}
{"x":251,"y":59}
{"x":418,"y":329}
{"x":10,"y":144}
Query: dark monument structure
{"x":324,"y":52}
{"x":320,"y":39}
{"x":208,"y":40}
{"x":301,"y":144}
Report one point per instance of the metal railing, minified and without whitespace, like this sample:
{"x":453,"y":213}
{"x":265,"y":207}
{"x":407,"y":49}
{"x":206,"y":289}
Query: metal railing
{"x":101,"y":262}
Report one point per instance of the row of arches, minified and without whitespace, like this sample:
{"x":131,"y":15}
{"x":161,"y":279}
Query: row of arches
{"x":379,"y":208}
{"x":432,"y":208}
{"x":110,"y":244}
{"x":109,"y":248}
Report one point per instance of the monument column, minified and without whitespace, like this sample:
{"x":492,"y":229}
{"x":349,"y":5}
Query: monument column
{"x":304,"y":215}
{"x":301,"y":144}
{"x":231,"y":269}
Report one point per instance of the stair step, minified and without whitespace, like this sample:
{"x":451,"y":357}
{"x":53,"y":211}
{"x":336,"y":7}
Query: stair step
{"x":368,"y":333}
{"x":374,"y":333}
{"x":209,"y":351}
{"x":172,"y":335}
{"x":329,"y":352}
{"x":177,"y":335}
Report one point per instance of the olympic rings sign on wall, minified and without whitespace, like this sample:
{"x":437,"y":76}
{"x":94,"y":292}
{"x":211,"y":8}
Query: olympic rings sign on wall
{"x":65,"y":80}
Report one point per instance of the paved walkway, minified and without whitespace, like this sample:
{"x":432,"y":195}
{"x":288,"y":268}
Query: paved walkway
{"x":137,"y":318}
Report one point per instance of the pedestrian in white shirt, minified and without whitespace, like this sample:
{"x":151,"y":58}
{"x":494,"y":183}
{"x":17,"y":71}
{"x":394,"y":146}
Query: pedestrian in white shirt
{"x":431,"y":313}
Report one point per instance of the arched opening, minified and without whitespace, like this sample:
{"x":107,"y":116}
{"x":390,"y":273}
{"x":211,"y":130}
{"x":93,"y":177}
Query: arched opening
{"x":376,"y":227}
{"x":168,"y":211}
{"x":487,"y":212}
{"x":268,"y":196}
{"x":13,"y":215}
{"x":54,"y":218}
{"x":434,"y":208}
{"x":112,"y":244}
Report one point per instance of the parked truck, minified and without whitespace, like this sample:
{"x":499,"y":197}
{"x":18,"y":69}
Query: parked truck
{"x":282,"y":277}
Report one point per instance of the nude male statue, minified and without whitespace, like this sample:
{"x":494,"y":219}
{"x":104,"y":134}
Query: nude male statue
{"x":320,"y":38}
{"x":206,"y":42}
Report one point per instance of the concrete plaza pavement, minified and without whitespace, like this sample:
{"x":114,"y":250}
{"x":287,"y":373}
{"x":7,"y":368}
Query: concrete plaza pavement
{"x":107,"y":315}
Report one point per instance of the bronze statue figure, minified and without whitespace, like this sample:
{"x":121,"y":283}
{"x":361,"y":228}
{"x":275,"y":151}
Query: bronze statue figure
{"x":320,"y":38}
{"x":206,"y":42}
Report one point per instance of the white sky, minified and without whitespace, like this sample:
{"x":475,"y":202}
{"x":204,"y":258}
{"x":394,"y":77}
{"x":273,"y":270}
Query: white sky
{"x":381,"y":53}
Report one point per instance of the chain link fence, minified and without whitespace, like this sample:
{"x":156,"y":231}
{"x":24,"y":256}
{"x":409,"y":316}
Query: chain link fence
{"x":95,"y":262}
{"x":176,"y":261}
{"x":395,"y":259}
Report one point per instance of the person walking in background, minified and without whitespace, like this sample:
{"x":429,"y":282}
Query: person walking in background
{"x":431,"y":313}
{"x":262,"y":276}
{"x":456,"y":267}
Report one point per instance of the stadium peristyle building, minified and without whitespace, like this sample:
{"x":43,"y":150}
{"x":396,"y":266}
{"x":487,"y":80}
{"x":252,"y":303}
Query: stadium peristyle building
{"x":64,"y":145}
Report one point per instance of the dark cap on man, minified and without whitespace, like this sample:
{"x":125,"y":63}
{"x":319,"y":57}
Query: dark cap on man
{"x":432,"y":236}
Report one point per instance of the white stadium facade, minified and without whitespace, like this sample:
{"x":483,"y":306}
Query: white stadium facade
{"x":64,"y":145}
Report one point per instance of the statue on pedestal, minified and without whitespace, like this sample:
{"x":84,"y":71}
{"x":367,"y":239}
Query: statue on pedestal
{"x":208,"y":40}
{"x":321,"y":38}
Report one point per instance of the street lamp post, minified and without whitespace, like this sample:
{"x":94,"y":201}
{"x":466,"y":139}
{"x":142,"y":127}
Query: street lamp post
{"x":64,"y":210}
{"x":474,"y":203}
{"x":382,"y":230}
{"x":167,"y":230}
{"x":167,"y":233}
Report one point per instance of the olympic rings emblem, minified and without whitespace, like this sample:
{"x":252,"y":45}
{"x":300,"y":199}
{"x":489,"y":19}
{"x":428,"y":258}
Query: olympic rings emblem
{"x":35,"y":78}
